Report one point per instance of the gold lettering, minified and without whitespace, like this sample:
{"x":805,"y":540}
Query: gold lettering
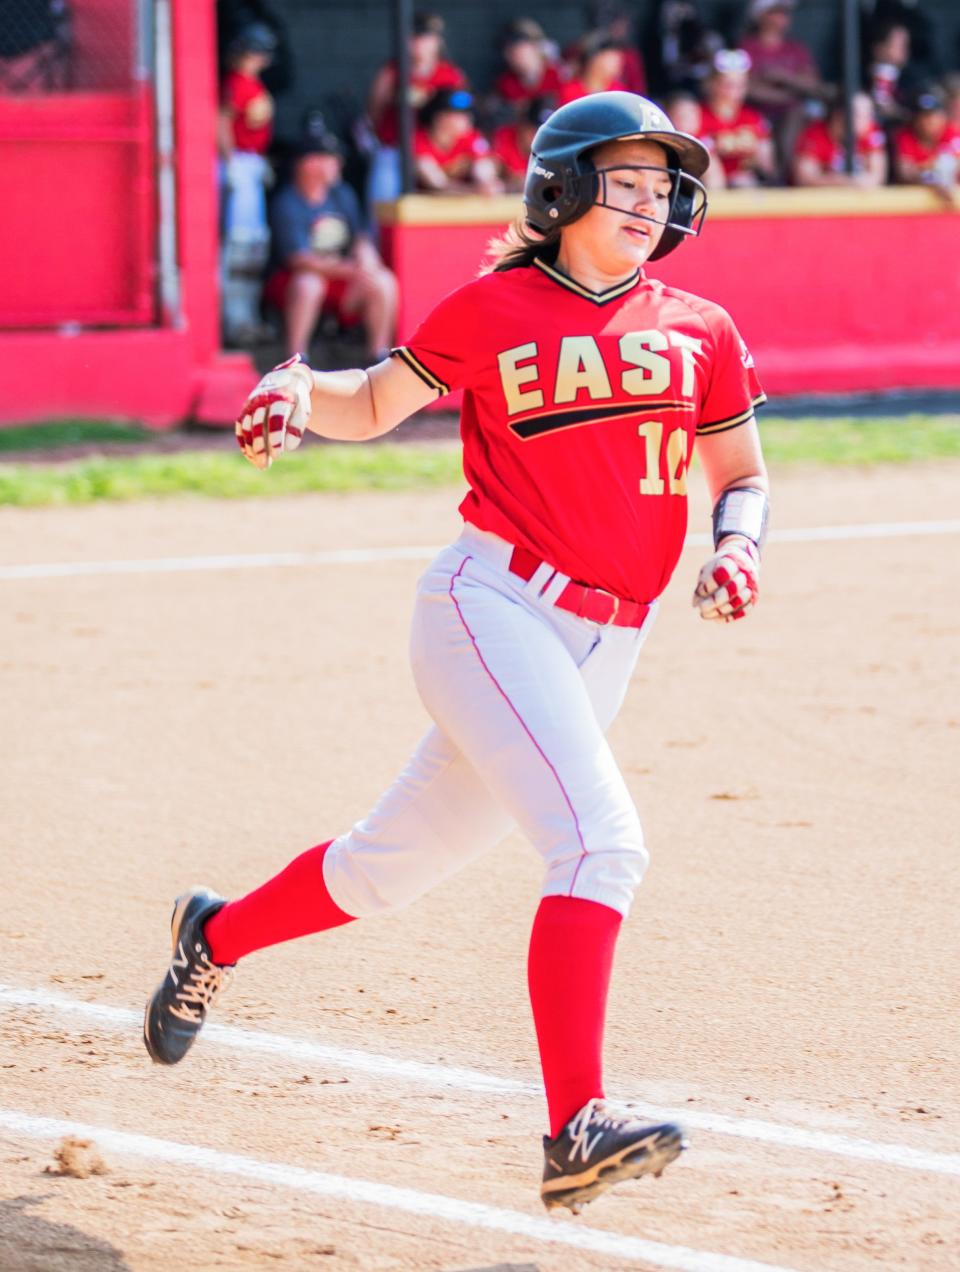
{"x":580,"y":366}
{"x":653,"y":373}
{"x":652,"y":433}
{"x":513,"y":376}
{"x":688,"y":346}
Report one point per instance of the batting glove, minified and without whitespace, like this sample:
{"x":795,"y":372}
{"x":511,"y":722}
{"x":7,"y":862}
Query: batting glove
{"x":728,"y":585}
{"x":276,"y":412}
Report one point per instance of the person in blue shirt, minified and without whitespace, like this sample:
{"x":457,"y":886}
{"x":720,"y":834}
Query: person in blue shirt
{"x":323,"y":257}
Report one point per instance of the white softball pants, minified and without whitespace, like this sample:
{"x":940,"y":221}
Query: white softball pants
{"x":521,"y":694}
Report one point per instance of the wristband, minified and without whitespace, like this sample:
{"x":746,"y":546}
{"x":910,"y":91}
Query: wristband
{"x":741,"y":510}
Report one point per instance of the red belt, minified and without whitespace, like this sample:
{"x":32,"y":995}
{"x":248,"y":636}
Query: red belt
{"x":592,"y":603}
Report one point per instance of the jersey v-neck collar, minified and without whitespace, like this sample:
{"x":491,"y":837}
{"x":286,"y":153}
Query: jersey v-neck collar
{"x":578,"y":289}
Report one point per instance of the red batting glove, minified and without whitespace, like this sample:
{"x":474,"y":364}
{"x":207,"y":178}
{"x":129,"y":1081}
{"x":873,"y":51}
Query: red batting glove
{"x":728,"y":585}
{"x":275,"y":415}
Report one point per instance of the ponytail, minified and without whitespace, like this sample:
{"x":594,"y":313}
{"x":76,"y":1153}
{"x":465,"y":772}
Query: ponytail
{"x":520,"y":246}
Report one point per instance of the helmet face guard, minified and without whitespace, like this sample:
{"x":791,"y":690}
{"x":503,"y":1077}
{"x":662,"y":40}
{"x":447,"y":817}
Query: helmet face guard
{"x":684,"y":211}
{"x":563,"y":184}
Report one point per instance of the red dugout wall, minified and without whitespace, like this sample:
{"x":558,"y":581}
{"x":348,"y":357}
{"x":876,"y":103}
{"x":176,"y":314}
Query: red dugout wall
{"x":87,"y":325}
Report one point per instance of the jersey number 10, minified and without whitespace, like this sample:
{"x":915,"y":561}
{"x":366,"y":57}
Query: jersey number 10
{"x":673,"y":476}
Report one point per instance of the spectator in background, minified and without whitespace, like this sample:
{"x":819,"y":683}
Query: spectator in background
{"x":324,"y":261}
{"x":951,"y":93}
{"x":34,"y":46}
{"x":244,"y":135}
{"x":739,"y":136}
{"x":927,"y":150}
{"x":429,"y":73}
{"x":531,"y":71}
{"x":617,"y":21}
{"x":820,"y":156}
{"x":451,"y":157}
{"x":783,"y":74}
{"x":887,"y":78}
{"x":234,"y":16}
{"x":686,"y":114}
{"x":246,"y":107}
{"x":599,"y":68}
{"x":512,"y":143}
{"x":679,"y":47}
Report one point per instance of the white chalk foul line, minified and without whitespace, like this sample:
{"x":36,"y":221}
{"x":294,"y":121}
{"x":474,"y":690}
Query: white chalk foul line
{"x":470,"y":1214}
{"x":432,"y":1076}
{"x":361,"y":556}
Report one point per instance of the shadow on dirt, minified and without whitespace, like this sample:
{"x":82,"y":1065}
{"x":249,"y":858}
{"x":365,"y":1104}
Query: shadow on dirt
{"x":503,"y":1267}
{"x":32,"y":1243}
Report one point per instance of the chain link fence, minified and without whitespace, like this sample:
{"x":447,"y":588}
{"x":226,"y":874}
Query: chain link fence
{"x":62,"y":46}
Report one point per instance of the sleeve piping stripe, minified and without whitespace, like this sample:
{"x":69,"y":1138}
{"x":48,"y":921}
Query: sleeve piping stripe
{"x":425,"y":374}
{"x":715,"y":426}
{"x":724,"y":427}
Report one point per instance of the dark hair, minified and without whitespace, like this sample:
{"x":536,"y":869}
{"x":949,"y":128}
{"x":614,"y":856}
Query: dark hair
{"x":521,"y":30}
{"x":428,"y":24}
{"x":444,"y":100}
{"x":519,"y":246}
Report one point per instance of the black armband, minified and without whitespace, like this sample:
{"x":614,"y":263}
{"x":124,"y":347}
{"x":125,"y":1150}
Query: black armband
{"x":741,"y":510}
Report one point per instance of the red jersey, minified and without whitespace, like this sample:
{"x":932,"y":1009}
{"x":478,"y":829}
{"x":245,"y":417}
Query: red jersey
{"x":816,"y":142}
{"x":930,"y":159}
{"x":458,"y":161}
{"x":506,"y":149}
{"x":512,"y":88}
{"x":422,"y":88}
{"x":580,"y":412}
{"x":251,"y":110}
{"x":634,"y":73}
{"x":735,"y":140}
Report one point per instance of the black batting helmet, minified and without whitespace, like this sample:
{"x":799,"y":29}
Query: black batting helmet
{"x":563,"y":183}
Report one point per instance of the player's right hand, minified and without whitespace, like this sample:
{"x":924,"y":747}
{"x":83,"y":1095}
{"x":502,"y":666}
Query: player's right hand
{"x":275,"y":414}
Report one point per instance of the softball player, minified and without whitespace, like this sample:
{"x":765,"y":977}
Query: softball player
{"x":586,"y":386}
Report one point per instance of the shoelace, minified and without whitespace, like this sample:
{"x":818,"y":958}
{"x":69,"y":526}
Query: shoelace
{"x":594,"y":1116}
{"x":197,"y":992}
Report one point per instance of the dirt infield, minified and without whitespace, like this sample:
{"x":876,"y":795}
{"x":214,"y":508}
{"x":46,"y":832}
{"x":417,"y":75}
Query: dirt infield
{"x":789,"y":974}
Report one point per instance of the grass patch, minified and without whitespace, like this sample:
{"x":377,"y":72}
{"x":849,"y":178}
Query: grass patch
{"x":845,"y":440}
{"x":388,"y":466}
{"x":228,"y":475}
{"x":59,"y":433}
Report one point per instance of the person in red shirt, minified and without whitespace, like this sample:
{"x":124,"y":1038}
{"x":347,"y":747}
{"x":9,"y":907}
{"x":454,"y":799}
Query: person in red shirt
{"x":246,"y":111}
{"x":618,"y":22}
{"x":529,"y":73}
{"x":820,"y":156}
{"x":784,"y":77}
{"x":430,"y":72}
{"x":244,"y":135}
{"x":598,"y":68}
{"x":686,"y":114}
{"x":587,"y":386}
{"x":512,"y":143}
{"x":451,"y":157}
{"x":783,"y":73}
{"x":739,"y":135}
{"x":928,"y":149}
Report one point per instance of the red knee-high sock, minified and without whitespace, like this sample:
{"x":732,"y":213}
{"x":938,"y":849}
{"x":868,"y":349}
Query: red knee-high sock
{"x":568,"y":972}
{"x":293,"y":903}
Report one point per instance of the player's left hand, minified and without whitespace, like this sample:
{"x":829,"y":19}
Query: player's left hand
{"x":728,"y":585}
{"x":275,"y":414}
